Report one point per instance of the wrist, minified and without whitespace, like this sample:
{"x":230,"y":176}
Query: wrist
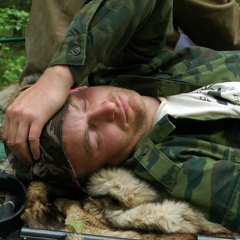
{"x":60,"y":76}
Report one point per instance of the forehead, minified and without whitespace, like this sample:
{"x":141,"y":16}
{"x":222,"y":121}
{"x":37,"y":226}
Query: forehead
{"x":93,"y":89}
{"x":99,"y":90}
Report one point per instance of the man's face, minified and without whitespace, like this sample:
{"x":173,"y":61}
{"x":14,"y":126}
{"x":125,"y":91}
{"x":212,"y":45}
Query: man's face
{"x":102,"y":126}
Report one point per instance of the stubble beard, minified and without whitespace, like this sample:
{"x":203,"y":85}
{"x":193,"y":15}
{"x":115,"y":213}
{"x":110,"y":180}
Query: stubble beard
{"x":141,"y":119}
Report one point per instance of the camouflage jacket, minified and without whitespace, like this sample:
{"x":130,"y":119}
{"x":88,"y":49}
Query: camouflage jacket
{"x":117,"y":33}
{"x":194,"y":159}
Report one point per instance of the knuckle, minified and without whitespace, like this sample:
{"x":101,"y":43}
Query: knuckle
{"x":9,"y":109}
{"x":4,"y":138}
{"x":12,"y":111}
{"x":10,"y":143}
{"x":19,"y":113}
{"x":19,"y":143}
{"x":32,"y":138}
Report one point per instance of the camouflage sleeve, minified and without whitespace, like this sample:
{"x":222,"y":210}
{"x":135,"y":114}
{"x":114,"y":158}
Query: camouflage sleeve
{"x":117,"y":32}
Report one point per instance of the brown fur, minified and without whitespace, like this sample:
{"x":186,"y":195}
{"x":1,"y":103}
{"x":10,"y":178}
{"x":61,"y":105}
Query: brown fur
{"x":118,"y":205}
{"x":9,"y":93}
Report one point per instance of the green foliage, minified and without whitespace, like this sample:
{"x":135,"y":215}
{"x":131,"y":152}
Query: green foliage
{"x":18,"y":4}
{"x":12,"y":61}
{"x":13,"y":24}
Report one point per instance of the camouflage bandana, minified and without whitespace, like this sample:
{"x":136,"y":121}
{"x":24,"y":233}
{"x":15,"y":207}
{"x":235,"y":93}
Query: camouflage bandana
{"x":53,"y":165}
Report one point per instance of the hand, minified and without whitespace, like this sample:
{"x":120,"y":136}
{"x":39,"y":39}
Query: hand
{"x":30,"y":111}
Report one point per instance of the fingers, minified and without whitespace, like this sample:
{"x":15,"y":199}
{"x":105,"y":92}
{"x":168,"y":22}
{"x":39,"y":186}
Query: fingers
{"x":16,"y":135}
{"x":23,"y":141}
{"x":34,"y":139}
{"x":21,"y":131}
{"x":30,"y":111}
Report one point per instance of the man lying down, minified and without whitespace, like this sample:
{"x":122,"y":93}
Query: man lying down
{"x":186,"y":144}
{"x":181,"y":134}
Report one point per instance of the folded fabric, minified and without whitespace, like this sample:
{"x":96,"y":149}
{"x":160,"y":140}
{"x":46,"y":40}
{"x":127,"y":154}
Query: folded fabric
{"x":209,"y":23}
{"x":184,"y":41}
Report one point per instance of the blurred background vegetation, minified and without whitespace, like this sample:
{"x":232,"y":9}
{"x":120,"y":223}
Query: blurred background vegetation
{"x":13,"y":21}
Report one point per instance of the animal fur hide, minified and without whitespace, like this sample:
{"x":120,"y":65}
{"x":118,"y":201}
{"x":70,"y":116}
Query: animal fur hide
{"x":116,"y":204}
{"x":9,"y":93}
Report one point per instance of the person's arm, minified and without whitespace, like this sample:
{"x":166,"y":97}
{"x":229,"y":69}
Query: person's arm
{"x":101,"y":30}
{"x":26,"y":116}
{"x":118,"y":33}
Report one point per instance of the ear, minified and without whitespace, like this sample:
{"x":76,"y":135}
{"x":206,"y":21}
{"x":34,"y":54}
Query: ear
{"x":78,"y":89}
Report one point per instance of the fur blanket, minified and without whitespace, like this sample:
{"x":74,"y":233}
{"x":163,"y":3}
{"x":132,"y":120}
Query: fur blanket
{"x":115,"y":204}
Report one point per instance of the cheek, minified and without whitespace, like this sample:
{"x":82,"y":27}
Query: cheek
{"x":113,"y":136}
{"x":117,"y":146}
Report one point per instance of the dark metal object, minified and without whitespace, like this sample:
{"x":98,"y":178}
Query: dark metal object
{"x":8,"y":40}
{"x":33,"y":234}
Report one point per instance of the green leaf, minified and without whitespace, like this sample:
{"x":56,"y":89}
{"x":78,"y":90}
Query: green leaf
{"x":77,"y":226}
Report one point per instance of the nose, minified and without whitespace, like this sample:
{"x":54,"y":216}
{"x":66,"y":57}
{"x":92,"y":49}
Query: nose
{"x":104,"y":111}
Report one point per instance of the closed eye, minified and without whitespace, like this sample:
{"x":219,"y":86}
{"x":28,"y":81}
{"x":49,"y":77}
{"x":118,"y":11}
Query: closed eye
{"x":93,"y":134}
{"x":85,"y":104}
{"x":96,"y":136}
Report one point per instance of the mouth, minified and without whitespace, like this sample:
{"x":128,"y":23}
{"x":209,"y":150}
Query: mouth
{"x":124,"y":107}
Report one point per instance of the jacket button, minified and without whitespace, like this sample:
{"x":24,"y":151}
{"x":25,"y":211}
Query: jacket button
{"x":144,"y":150}
{"x":76,"y":50}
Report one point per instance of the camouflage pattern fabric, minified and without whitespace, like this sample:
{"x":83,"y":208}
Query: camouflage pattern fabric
{"x":183,"y":71}
{"x":193,"y":159}
{"x":118,"y":32}
{"x":53,"y":164}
